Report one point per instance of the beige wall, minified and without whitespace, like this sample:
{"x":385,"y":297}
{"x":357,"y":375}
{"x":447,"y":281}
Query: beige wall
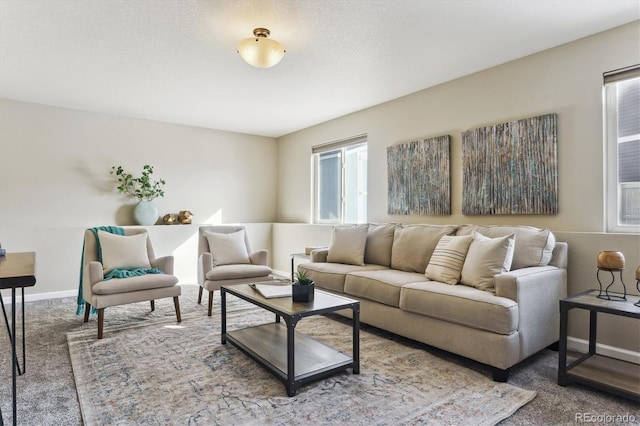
{"x":566,"y":80}
{"x":55,"y":182}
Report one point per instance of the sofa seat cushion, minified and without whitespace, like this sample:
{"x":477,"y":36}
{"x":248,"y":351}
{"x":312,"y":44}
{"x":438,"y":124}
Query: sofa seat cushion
{"x":380,"y":286}
{"x":331,"y":276}
{"x":232,"y":272}
{"x":142,"y":282}
{"x":463,"y":305}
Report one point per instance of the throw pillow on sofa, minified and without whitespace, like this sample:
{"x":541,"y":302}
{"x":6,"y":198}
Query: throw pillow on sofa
{"x":486,"y":258}
{"x":347,"y":245}
{"x":534,"y":246}
{"x":447,"y":259}
{"x":414,"y":244}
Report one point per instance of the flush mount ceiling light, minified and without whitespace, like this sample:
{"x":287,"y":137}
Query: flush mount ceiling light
{"x":260,"y":51}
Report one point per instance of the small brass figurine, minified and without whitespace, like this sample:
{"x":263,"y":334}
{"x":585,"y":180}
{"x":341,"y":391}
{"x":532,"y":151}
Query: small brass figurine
{"x":184,"y":217}
{"x":169,"y":219}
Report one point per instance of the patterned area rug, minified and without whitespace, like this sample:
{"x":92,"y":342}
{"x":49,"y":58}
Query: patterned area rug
{"x":169,"y":373}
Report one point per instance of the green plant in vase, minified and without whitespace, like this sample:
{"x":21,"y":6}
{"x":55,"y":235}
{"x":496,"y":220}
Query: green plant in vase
{"x":144,"y":188}
{"x":303,"y":279}
{"x":303,"y":289}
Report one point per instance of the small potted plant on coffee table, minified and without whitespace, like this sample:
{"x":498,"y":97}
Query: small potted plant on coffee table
{"x":302,"y":288}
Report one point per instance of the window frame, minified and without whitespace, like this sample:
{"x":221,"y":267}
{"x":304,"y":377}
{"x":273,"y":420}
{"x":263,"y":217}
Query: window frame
{"x":342,"y":145}
{"x":611,"y":144}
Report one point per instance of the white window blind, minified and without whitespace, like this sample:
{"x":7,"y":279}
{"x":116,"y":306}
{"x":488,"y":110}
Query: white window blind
{"x":622,"y":138}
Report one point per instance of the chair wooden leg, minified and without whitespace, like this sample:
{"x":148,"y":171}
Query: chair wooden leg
{"x":176,"y":303}
{"x":87,"y":310}
{"x":200,"y":295}
{"x":210,"y":303}
{"x":153,"y":305}
{"x":100,"y":322}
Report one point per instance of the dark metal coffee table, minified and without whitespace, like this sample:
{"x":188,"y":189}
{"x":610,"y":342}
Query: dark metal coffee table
{"x":292,"y":356}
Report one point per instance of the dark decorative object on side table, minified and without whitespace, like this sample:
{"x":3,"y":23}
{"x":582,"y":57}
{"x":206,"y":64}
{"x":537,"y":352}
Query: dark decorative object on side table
{"x":302,"y":290}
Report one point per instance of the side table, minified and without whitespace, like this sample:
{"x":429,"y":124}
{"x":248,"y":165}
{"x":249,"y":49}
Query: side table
{"x":592,"y":369}
{"x":17,"y":270}
{"x":293,"y":257}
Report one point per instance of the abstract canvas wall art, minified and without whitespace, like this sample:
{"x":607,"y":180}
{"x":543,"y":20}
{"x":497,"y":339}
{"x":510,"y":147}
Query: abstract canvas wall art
{"x":511,"y":168}
{"x":419,"y":177}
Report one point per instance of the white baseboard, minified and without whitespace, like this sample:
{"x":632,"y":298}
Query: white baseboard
{"x":40,"y":296}
{"x":582,"y":346}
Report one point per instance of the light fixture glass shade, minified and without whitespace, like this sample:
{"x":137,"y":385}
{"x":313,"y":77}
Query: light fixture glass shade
{"x":260,"y":51}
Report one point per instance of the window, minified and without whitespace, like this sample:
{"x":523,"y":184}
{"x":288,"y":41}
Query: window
{"x":622,"y":132}
{"x":341,"y":181}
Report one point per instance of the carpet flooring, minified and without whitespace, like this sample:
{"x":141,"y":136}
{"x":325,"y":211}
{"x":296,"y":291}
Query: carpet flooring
{"x":47,"y":392}
{"x":166,"y":373}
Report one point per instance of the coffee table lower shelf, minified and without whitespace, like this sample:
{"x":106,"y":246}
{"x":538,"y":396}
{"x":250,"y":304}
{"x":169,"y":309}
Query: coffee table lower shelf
{"x":267,"y":345}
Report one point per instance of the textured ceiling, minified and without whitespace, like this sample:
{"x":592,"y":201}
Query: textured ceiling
{"x":176,"y":61}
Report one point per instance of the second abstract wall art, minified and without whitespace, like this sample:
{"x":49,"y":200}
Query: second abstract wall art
{"x":511,"y":168}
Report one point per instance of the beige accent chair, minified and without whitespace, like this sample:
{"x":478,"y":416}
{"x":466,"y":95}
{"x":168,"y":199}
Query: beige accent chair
{"x":121,"y":291}
{"x":211,"y":276}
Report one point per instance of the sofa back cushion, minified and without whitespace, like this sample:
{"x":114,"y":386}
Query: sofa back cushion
{"x":347,"y":245}
{"x":533,"y":246}
{"x":413,"y":245}
{"x":379,"y":242}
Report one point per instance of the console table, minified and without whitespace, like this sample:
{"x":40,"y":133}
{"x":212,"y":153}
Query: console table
{"x":293,"y":257}
{"x":599,"y":371}
{"x":17,"y":270}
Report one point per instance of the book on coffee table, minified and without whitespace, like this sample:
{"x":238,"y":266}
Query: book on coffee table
{"x":269,"y":291}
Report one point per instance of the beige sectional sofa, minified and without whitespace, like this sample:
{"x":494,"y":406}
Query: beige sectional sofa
{"x":489,"y":293}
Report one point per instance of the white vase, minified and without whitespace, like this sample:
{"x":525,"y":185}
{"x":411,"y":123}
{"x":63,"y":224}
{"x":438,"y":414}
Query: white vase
{"x":145,"y":213}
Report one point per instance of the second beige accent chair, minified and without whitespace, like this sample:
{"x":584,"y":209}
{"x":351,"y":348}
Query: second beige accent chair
{"x":225,"y":257}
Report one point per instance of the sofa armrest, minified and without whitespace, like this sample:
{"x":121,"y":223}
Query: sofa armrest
{"x":320,"y":255}
{"x":520,"y":283}
{"x":560,"y":255}
{"x":259,"y":257}
{"x":165,"y":264}
{"x":537,"y":290}
{"x":205,"y":264}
